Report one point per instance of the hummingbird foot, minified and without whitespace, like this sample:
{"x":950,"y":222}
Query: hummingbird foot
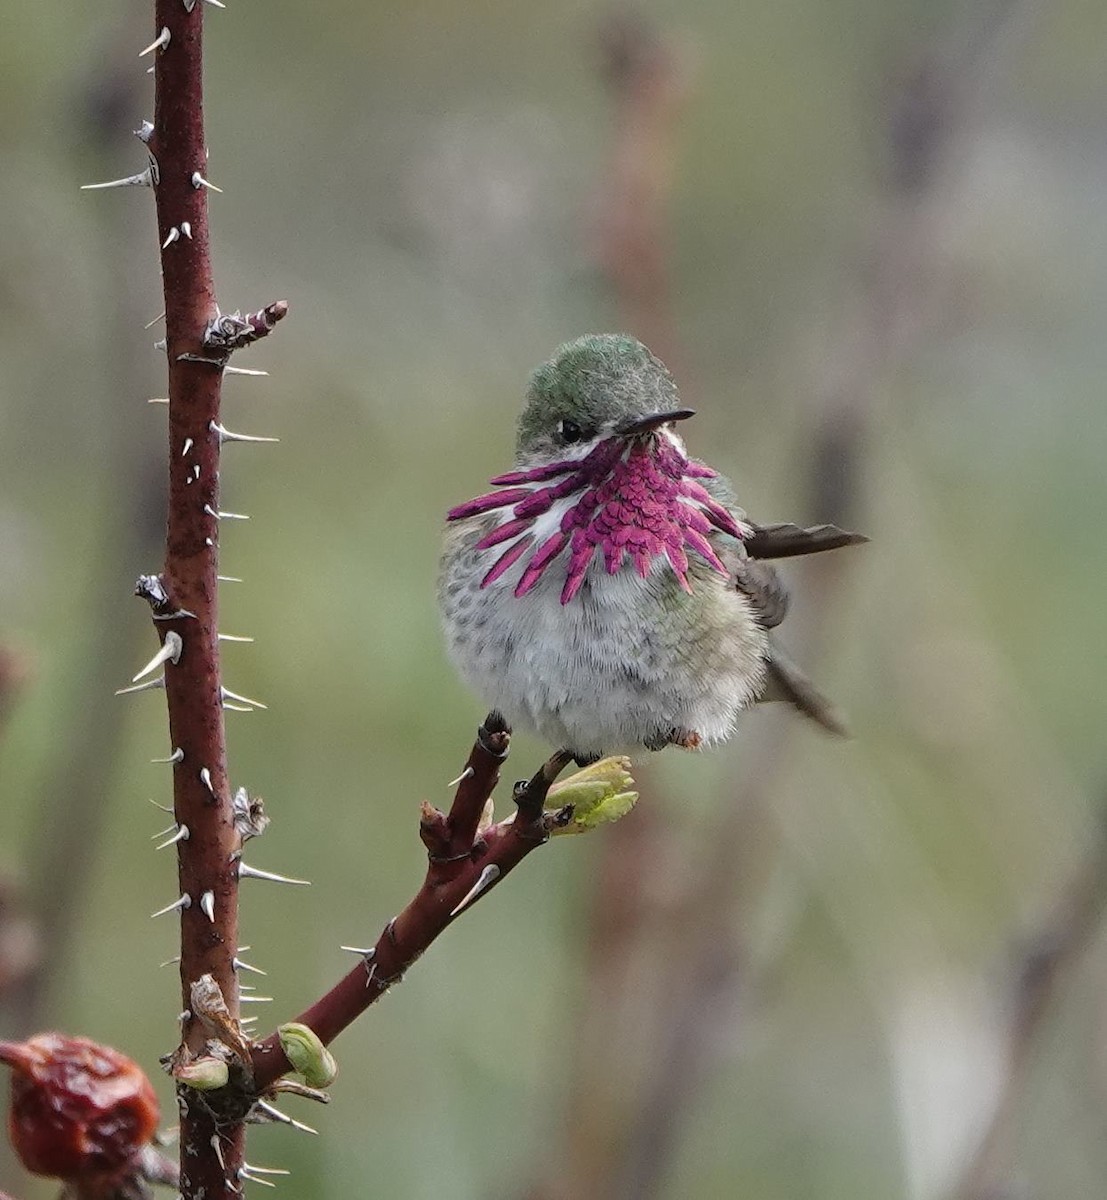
{"x":584,"y":760}
{"x":686,"y":739}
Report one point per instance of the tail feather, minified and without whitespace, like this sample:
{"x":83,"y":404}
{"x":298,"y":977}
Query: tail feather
{"x":785,"y":681}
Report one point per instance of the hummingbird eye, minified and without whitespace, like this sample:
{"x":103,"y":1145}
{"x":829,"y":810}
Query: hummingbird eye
{"x":569,"y":431}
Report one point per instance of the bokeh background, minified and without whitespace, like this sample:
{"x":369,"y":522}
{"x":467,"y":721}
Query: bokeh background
{"x":872,"y":240}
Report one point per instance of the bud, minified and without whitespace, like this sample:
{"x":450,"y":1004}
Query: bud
{"x":307,"y":1054}
{"x":205,"y":1073}
{"x":599,"y":793}
{"x":80,"y":1111}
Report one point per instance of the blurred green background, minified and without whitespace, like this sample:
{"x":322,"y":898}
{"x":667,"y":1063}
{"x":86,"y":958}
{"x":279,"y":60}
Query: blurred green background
{"x":425,"y":183}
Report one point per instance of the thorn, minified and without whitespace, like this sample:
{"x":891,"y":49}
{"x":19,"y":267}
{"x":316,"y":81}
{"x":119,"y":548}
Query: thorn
{"x":163,"y":807}
{"x":247,"y":1170}
{"x":150,"y":325}
{"x":366,"y":954}
{"x":218,"y":1151}
{"x":243,"y":371}
{"x":178,"y":615}
{"x":227,"y":694}
{"x":225,"y":516}
{"x":240,"y":964}
{"x":466,"y":774}
{"x":172,"y":236}
{"x":170,"y":652}
{"x":209,"y":541}
{"x":180,"y":836}
{"x":198,"y":181}
{"x":247,"y":872}
{"x":163,"y":832}
{"x":215,"y":3}
{"x":228,"y":579}
{"x":170,"y":961}
{"x":207,"y":906}
{"x":159,"y":43}
{"x":245,"y":1176}
{"x":487,"y":878}
{"x":205,"y":779}
{"x":188,"y":444}
{"x":158,"y":400}
{"x":370,"y":972}
{"x":254,"y":999}
{"x":275,"y":1114}
{"x":230,"y":637}
{"x":176,"y":757}
{"x":149,"y":686}
{"x":225,"y":435}
{"x":142,"y":179}
{"x":184,"y":902}
{"x":145,"y":131}
{"x":186,"y":229}
{"x":238,"y":707}
{"x":201,"y":358}
{"x":244,"y":1021}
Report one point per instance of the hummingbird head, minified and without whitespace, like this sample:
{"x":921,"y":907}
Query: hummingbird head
{"x":599,"y":476}
{"x":597,"y":387}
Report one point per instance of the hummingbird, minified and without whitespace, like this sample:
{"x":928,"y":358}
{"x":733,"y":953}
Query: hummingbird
{"x":610,"y":593}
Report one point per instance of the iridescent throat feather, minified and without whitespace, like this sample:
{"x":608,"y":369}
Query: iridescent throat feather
{"x":641,"y":500}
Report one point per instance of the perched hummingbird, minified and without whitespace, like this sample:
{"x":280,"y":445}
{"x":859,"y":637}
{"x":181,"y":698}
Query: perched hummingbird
{"x":610,"y":593}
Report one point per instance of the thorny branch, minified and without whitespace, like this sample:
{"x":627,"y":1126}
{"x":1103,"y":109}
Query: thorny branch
{"x":466,"y":856}
{"x":184,"y":597}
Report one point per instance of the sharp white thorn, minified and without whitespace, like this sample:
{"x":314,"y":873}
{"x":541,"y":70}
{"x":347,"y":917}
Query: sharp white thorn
{"x":176,"y":757}
{"x":217,"y":1150}
{"x":254,"y":999}
{"x":180,"y":836}
{"x":249,"y":1177}
{"x":186,"y":230}
{"x":231,"y":637}
{"x":486,"y":879}
{"x":198,"y":181}
{"x":265,"y":1170}
{"x":158,"y":400}
{"x":145,"y":131}
{"x":159,"y":43}
{"x":248,"y":872}
{"x":188,"y":444}
{"x":184,"y":902}
{"x":226,"y":435}
{"x":367,"y":954}
{"x":276,"y":1115}
{"x":241,"y":964}
{"x":244,"y":371}
{"x":142,"y":179}
{"x":215,"y":3}
{"x":205,"y":779}
{"x":172,"y":236}
{"x":207,"y":906}
{"x":238,"y":707}
{"x":170,"y":961}
{"x":170,"y":652}
{"x":227,"y":694}
{"x":162,"y":832}
{"x":161,"y":807}
{"x":370,"y":971}
{"x":150,"y":685}
{"x":466,"y":774}
{"x":228,"y":579}
{"x":151,"y":324}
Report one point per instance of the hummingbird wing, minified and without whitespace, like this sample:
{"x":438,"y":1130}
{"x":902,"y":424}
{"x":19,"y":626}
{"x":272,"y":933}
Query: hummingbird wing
{"x":784,"y":540}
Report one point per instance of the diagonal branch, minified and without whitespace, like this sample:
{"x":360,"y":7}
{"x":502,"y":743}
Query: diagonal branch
{"x":464,"y":861}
